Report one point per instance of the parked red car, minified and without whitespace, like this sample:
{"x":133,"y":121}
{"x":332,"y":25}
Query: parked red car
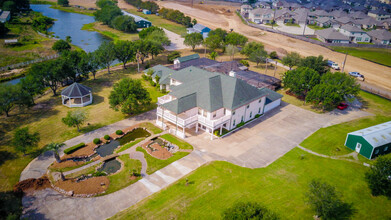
{"x":342,"y":106}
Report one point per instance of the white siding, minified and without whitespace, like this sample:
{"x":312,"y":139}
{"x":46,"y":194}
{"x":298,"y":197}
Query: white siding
{"x":272,"y":105}
{"x":254,"y":108}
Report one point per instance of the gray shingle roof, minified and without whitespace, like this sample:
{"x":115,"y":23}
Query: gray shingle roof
{"x":76,"y":90}
{"x":201,"y":62}
{"x":380,"y":34}
{"x":351,"y":28}
{"x":331,"y":34}
{"x":271,"y":96}
{"x":163,"y":72}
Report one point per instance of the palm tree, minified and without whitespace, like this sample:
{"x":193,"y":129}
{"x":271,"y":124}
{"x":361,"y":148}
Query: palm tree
{"x":54,"y":147}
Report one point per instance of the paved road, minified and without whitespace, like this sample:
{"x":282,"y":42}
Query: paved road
{"x":256,"y":145}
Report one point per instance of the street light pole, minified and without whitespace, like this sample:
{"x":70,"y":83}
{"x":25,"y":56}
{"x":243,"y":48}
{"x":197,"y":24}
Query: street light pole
{"x":305,"y":23}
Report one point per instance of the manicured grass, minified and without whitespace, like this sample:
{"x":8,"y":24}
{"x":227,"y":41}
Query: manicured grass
{"x":315,"y":27}
{"x":150,"y":127}
{"x":45,"y":118}
{"x":129,"y":145}
{"x":122,"y":179}
{"x":156,"y":164}
{"x":377,"y":55}
{"x":180,"y":143}
{"x":297,"y":102}
{"x":291,"y":25}
{"x":89,"y":170}
{"x":331,"y":140}
{"x":110,"y":32}
{"x":73,"y":10}
{"x":281,"y":187}
{"x":161,"y":22}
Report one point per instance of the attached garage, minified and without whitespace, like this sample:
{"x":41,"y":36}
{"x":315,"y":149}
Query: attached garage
{"x":273,"y":100}
{"x":371,"y":142}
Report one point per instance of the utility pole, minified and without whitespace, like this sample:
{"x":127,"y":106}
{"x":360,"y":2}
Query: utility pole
{"x":344,"y":62}
{"x":305,"y":23}
{"x":266,"y":67}
{"x":275,"y":69}
{"x":274,"y":16}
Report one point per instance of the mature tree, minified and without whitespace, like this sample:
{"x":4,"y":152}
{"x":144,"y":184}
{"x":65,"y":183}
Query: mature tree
{"x":55,"y":147}
{"x":106,"y":54}
{"x":61,"y":46}
{"x":192,"y":40}
{"x":151,"y":6}
{"x":142,"y":47}
{"x":379,"y":176}
{"x":103,"y":3}
{"x":9,"y":95}
{"x":172,"y":56}
{"x":72,"y":64}
{"x":236,"y":39}
{"x":23,"y":140}
{"x":75,"y":118}
{"x":107,"y":13}
{"x":91,"y":63}
{"x":273,"y":55}
{"x":147,"y":31}
{"x":129,"y":95}
{"x":155,"y":49}
{"x":63,"y":2}
{"x":327,"y":202}
{"x":31,"y":86}
{"x":214,"y":42}
{"x":125,"y":51}
{"x":248,"y":210}
{"x":258,"y":56}
{"x":68,"y":39}
{"x":231,"y":50}
{"x":213,"y":55}
{"x":124,"y":23}
{"x":250,"y":47}
{"x":10,"y":6}
{"x":219,"y":32}
{"x":159,"y":36}
{"x":301,"y":80}
{"x":332,"y":89}
{"x":194,"y":21}
{"x":316,"y":63}
{"x":291,"y":59}
{"x":3,"y":29}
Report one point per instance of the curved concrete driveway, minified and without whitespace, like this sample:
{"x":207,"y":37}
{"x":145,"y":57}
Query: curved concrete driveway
{"x":255,"y":145}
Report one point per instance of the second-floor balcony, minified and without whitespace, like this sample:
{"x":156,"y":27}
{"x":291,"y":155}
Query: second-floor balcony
{"x":164,"y":99}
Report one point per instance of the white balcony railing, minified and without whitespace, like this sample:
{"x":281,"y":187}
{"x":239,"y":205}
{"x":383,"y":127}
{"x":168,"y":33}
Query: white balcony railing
{"x":213,"y":123}
{"x":164,"y":99}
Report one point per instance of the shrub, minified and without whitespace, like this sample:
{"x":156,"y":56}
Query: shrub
{"x":74,"y":148}
{"x":223,"y":132}
{"x":248,"y":210}
{"x":273,"y":55}
{"x":379,"y":176}
{"x":245,"y":62}
{"x":96,"y":141}
{"x":257,"y":115}
{"x":147,"y":66}
{"x":99,"y":173}
{"x":240,"y":124}
{"x":119,"y":132}
{"x":107,"y":137}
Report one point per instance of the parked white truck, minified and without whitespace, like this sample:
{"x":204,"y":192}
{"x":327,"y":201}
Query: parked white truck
{"x":333,"y":64}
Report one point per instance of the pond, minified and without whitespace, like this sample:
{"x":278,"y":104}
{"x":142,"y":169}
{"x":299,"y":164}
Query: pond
{"x":70,"y":24}
{"x":110,"y":166}
{"x":108,"y":149}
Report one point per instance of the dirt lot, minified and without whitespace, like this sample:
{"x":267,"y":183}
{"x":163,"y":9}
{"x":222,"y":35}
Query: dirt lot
{"x":216,"y":16}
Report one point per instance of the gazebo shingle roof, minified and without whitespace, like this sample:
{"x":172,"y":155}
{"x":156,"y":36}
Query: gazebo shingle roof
{"x":76,"y":90}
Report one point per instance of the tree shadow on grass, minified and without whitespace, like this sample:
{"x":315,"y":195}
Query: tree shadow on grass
{"x":10,"y":205}
{"x":6,"y":155}
{"x":90,"y":127}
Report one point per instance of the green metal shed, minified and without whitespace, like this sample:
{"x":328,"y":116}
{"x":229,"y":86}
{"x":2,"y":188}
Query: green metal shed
{"x":371,"y":142}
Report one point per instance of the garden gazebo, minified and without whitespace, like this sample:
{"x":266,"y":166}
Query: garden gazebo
{"x":76,"y":95}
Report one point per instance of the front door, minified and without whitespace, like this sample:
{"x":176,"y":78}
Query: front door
{"x":358,"y":147}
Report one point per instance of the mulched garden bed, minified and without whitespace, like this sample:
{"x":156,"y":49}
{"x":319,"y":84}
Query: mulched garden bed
{"x":32,"y":184}
{"x":160,"y":152}
{"x":89,"y":186}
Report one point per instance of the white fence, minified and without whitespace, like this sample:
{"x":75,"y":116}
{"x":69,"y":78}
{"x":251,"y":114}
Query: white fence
{"x":23,"y":64}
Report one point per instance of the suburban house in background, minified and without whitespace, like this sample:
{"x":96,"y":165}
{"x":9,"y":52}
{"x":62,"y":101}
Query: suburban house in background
{"x":371,"y":142}
{"x":355,"y":34}
{"x":199,"y":28}
{"x":210,"y":101}
{"x":379,"y":14}
{"x":380,"y":36}
{"x":330,"y":35}
{"x":141,"y":22}
{"x":5,"y":16}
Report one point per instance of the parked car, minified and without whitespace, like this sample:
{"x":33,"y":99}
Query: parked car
{"x":333,"y":64}
{"x":356,"y":74}
{"x":342,"y":106}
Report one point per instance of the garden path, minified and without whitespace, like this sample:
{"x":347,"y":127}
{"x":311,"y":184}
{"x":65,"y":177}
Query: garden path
{"x":82,"y":168}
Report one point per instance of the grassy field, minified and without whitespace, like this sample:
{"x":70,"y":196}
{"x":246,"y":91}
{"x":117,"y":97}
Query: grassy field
{"x":331,"y":140}
{"x":280,"y":186}
{"x":109,"y":32}
{"x":155,"y":164}
{"x":32,"y":45}
{"x":122,"y":179}
{"x":161,"y":22}
{"x":377,"y":55}
{"x":297,"y":102}
{"x":180,"y":143}
{"x":315,"y":27}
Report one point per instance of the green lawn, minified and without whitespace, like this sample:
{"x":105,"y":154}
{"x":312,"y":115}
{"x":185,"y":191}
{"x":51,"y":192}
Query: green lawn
{"x":295,"y":101}
{"x":315,"y":27}
{"x":180,"y":143}
{"x":292,"y":25}
{"x":377,"y":55}
{"x":110,"y":32}
{"x":280,"y":186}
{"x":331,"y":140}
{"x":152,"y":128}
{"x":161,"y":22}
{"x":155,"y":164}
{"x":122,"y":179}
{"x":89,"y":170}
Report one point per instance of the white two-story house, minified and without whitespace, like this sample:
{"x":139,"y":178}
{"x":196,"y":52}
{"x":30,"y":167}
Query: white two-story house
{"x":261,"y":16}
{"x":208,"y":101}
{"x":355,"y":34}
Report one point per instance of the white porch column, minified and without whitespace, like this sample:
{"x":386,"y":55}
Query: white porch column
{"x":91,"y":97}
{"x":197,"y":127}
{"x":211,"y":135}
{"x":162,"y":118}
{"x":183,"y":132}
{"x":221,"y":129}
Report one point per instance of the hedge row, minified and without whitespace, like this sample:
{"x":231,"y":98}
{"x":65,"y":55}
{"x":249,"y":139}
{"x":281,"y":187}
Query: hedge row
{"x":74,"y":148}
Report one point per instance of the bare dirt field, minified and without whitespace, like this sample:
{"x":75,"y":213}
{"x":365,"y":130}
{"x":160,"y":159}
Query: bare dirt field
{"x":217,"y":16}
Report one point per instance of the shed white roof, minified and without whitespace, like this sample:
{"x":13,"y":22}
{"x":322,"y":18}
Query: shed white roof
{"x":377,"y":135}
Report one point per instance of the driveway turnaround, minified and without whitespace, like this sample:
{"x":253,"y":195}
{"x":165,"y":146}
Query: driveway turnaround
{"x":257,"y":144}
